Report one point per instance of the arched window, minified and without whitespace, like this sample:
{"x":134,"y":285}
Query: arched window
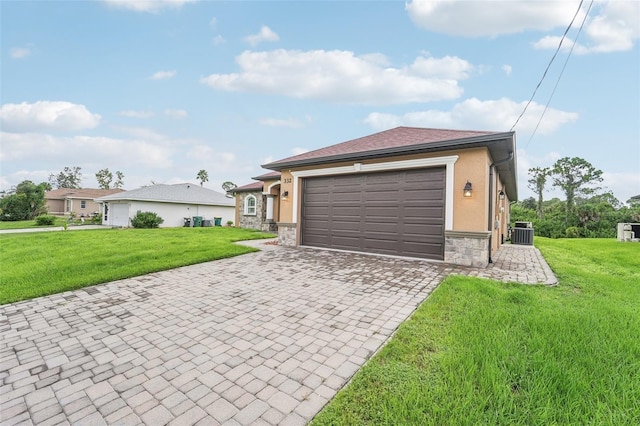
{"x":250,"y":205}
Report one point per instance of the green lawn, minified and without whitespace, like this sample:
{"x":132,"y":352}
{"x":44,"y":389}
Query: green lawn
{"x":479,"y":352}
{"x":25,"y":224}
{"x":38,"y":264}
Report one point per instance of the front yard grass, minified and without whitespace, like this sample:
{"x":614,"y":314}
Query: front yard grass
{"x":26,"y":224}
{"x":483,"y":352}
{"x":39,"y":264}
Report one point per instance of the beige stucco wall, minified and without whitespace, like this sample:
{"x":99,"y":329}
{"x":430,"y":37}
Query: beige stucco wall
{"x":470,"y":214}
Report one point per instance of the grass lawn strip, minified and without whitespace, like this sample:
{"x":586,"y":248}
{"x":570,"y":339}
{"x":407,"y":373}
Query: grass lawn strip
{"x":27,"y":224}
{"x":484,"y":352}
{"x":39,"y":264}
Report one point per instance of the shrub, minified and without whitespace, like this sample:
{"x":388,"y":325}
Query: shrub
{"x":146,"y":220}
{"x":45,"y":220}
{"x":572,"y":232}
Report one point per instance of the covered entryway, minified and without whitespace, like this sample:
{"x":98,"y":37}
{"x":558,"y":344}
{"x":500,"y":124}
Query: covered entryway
{"x":397,"y":212}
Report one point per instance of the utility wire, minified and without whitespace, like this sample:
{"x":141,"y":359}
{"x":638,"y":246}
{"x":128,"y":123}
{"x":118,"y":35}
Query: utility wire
{"x":561,"y":72}
{"x":548,"y":66}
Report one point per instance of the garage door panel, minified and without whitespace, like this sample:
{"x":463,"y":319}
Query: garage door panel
{"x":399,"y":213}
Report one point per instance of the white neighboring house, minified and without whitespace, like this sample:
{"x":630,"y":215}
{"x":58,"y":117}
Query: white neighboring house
{"x":173,"y":203}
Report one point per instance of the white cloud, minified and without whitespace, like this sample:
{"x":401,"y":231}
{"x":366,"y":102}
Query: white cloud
{"x":213,"y":22}
{"x":163,"y":75}
{"x":141,"y":133}
{"x":507,"y":69}
{"x":147,"y":5}
{"x":136,"y":114}
{"x":51,"y":115}
{"x":498,"y":115}
{"x":265,"y":34}
{"x":217,"y":40}
{"x":37,"y":147}
{"x":19,"y":52}
{"x":298,"y":150}
{"x":224,"y":161}
{"x":341,"y":76}
{"x":614,"y":28}
{"x":278,"y":122}
{"x":175,"y":113}
{"x":481,"y":18}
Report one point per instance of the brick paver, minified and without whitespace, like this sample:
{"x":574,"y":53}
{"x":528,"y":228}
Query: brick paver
{"x":264,"y":338}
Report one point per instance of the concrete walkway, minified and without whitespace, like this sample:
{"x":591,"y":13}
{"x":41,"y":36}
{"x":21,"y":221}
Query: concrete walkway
{"x":264,"y":338}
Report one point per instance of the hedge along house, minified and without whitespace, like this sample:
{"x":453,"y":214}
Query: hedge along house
{"x":415,"y":192}
{"x":257,"y":203}
{"x":173,"y":203}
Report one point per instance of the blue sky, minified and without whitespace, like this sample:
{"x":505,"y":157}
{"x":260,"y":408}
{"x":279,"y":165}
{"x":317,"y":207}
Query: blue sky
{"x":162,"y":89}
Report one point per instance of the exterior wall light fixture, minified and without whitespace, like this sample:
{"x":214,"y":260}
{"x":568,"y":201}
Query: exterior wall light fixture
{"x":285,"y":195}
{"x":501,"y":195}
{"x":467,"y":189}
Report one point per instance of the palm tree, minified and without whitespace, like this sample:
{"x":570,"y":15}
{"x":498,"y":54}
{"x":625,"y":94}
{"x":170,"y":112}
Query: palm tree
{"x":203,"y":176}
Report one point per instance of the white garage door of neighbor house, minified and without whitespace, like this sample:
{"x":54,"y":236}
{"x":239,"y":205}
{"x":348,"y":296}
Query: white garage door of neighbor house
{"x":120,"y":215}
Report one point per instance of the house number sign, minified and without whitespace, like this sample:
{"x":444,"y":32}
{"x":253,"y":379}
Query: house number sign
{"x":286,"y":180}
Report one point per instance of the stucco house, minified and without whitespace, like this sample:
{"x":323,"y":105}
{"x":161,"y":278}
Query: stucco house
{"x":173,"y":203}
{"x":65,"y":201}
{"x":415,"y":192}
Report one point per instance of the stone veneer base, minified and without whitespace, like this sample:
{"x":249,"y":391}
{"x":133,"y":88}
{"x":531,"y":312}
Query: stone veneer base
{"x":287,"y":234}
{"x":467,"y":248}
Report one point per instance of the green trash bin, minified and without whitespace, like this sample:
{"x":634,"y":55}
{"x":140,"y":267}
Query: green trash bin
{"x":197,"y":221}
{"x":217,"y":221}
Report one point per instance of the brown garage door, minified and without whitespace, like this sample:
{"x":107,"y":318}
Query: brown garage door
{"x":399,"y":213}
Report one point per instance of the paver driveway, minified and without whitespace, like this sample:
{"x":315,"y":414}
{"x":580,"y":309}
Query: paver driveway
{"x":263,"y":338}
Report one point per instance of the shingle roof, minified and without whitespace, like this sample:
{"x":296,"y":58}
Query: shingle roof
{"x":415,"y":140}
{"x":267,"y":176}
{"x":181,"y":193}
{"x":88,"y":193}
{"x":250,"y":187}
{"x":394,"y":141}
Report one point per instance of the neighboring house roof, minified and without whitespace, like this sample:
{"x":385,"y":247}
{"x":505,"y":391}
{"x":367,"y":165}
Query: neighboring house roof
{"x":181,"y":193}
{"x":413,"y":140}
{"x":250,"y":187}
{"x":88,"y":193}
{"x":257,"y":186}
{"x":268,"y":176}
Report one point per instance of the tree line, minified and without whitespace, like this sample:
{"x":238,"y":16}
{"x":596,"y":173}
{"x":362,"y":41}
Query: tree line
{"x":588,"y":211}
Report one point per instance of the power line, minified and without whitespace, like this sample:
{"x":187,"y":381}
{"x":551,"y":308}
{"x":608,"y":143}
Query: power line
{"x":548,"y":66}
{"x":561,"y":72}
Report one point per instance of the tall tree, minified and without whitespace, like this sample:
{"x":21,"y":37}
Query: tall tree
{"x":203,"y":176}
{"x":119,"y":180}
{"x":228,"y":186}
{"x":105,"y":177}
{"x":70,"y":177}
{"x":537,"y":182}
{"x":575,"y":176}
{"x":25,"y":204}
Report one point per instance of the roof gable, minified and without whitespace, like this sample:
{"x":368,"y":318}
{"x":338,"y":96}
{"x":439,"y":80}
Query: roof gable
{"x":182,"y":193}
